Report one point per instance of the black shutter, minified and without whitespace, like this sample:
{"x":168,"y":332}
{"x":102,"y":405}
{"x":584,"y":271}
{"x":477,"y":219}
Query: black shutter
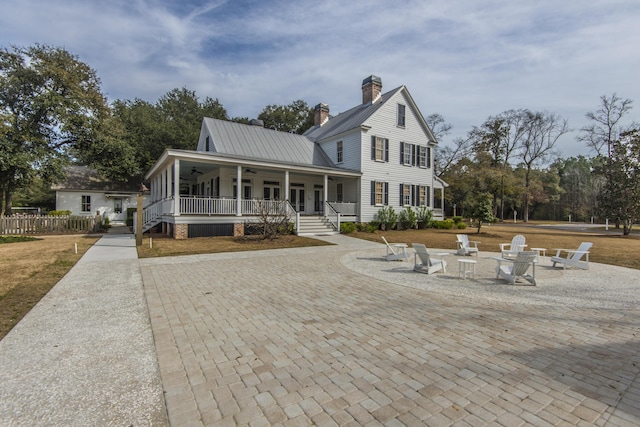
{"x":386,"y":150}
{"x":373,"y":193}
{"x":373,"y":148}
{"x":428,"y":196}
{"x":428,"y":157}
{"x":401,"y":194}
{"x":402,"y":153}
{"x":386,"y":193}
{"x":414,"y":154}
{"x":416,"y":195}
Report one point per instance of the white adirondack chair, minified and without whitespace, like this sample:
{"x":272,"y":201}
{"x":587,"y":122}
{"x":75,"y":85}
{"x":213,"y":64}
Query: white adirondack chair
{"x":510,"y":250}
{"x":427,"y":264}
{"x":573,"y":258}
{"x":464,"y":245}
{"x":396,"y":251}
{"x":518,"y":268}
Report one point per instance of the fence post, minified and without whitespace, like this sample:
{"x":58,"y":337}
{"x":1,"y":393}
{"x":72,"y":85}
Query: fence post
{"x":138,"y":230}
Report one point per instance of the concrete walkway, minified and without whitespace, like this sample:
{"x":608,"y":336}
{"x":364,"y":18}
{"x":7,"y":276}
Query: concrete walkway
{"x":84,"y":355}
{"x":322,"y":336}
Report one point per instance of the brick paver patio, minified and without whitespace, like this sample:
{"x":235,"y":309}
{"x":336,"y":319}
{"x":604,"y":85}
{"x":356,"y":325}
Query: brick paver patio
{"x":293,"y":337}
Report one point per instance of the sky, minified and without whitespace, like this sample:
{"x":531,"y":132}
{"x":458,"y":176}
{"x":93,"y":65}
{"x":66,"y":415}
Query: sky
{"x":464,"y":59}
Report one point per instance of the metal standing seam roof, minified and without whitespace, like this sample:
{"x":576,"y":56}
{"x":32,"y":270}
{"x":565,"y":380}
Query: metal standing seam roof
{"x":348,"y":120}
{"x":256,"y":142}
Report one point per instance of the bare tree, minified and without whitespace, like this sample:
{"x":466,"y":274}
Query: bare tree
{"x":542,"y":131}
{"x":272,"y":218}
{"x":447,"y":156}
{"x":500,"y":136}
{"x":605,"y":124}
{"x":438,"y":125}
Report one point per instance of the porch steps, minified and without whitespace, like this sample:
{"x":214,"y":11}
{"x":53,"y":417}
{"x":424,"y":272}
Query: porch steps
{"x":315,"y":226}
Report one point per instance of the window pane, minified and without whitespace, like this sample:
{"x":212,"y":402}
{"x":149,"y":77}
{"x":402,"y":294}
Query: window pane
{"x":401,"y":115}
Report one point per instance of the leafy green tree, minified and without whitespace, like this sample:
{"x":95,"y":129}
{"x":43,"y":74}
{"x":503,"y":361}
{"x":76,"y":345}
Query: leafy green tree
{"x":50,"y":103}
{"x":482,"y":210}
{"x":138,"y":132}
{"x":499,"y":137}
{"x":296,"y":117}
{"x":622,"y":196}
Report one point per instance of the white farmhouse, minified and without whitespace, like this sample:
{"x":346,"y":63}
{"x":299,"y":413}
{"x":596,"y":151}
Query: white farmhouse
{"x":345,"y":168}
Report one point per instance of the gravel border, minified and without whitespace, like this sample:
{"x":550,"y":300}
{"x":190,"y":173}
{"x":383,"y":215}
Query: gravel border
{"x":602,"y":286}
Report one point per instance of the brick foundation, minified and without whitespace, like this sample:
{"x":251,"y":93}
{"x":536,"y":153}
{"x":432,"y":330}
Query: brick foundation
{"x":238,"y":230}
{"x":181,"y":231}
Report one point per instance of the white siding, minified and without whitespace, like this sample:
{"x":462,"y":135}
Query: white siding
{"x":351,"y":150}
{"x":72,"y":201}
{"x":384,"y":124}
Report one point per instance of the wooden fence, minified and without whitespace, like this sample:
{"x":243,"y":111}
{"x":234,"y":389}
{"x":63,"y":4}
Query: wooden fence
{"x":36,"y":224}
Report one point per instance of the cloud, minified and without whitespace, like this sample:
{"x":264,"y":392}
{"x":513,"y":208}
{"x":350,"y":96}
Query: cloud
{"x":465,"y":59}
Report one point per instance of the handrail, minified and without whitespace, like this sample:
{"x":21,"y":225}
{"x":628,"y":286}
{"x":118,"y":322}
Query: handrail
{"x":330,"y":211}
{"x":292,"y":212}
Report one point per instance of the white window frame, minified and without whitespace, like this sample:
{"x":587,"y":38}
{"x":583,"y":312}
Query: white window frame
{"x":422,"y":195}
{"x":340,"y":152}
{"x":401,"y":119}
{"x":422,"y":156}
{"x":85,"y":203}
{"x":339,"y":192}
{"x":406,"y":194}
{"x":407,"y":155}
{"x":379,"y":193}
{"x":379,"y":149}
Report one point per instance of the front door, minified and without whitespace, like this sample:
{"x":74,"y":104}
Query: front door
{"x":296,"y":197}
{"x":117,"y":209}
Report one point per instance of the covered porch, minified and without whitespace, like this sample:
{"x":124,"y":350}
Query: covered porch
{"x":195,"y":187}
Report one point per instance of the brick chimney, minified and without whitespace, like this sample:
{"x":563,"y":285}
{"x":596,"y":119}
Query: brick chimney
{"x":371,"y":88}
{"x":321,"y":114}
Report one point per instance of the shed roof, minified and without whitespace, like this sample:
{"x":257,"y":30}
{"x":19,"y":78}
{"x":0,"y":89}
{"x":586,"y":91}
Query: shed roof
{"x":83,"y":178}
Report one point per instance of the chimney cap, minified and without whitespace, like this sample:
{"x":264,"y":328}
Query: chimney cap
{"x":256,"y":122}
{"x":372,"y":79}
{"x":321,"y":106}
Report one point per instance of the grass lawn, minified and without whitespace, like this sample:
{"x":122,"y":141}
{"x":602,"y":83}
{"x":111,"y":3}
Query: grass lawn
{"x":166,"y":246}
{"x":29,"y":270}
{"x":613,"y":249}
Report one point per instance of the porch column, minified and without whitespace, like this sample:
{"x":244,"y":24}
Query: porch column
{"x":176,"y":187}
{"x":239,"y":192}
{"x":286,"y":185}
{"x":325,"y":189}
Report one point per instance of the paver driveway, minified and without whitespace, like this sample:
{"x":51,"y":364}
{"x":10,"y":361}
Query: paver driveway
{"x":294,"y":337}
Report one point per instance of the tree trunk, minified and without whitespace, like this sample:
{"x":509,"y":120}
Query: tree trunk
{"x":7,"y":202}
{"x":479,"y":225}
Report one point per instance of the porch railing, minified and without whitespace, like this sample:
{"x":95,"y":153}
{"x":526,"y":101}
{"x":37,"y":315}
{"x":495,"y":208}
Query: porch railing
{"x":345,"y":208}
{"x":207,"y":206}
{"x":332,"y":215}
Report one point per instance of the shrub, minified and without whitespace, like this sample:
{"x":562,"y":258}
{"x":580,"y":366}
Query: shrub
{"x":407,"y":218}
{"x":461,"y":225}
{"x":457,"y":219}
{"x":59,"y":213}
{"x":387,"y":217}
{"x":447,"y":224}
{"x":424,"y":217}
{"x":347,"y":227}
{"x":375,"y":225}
